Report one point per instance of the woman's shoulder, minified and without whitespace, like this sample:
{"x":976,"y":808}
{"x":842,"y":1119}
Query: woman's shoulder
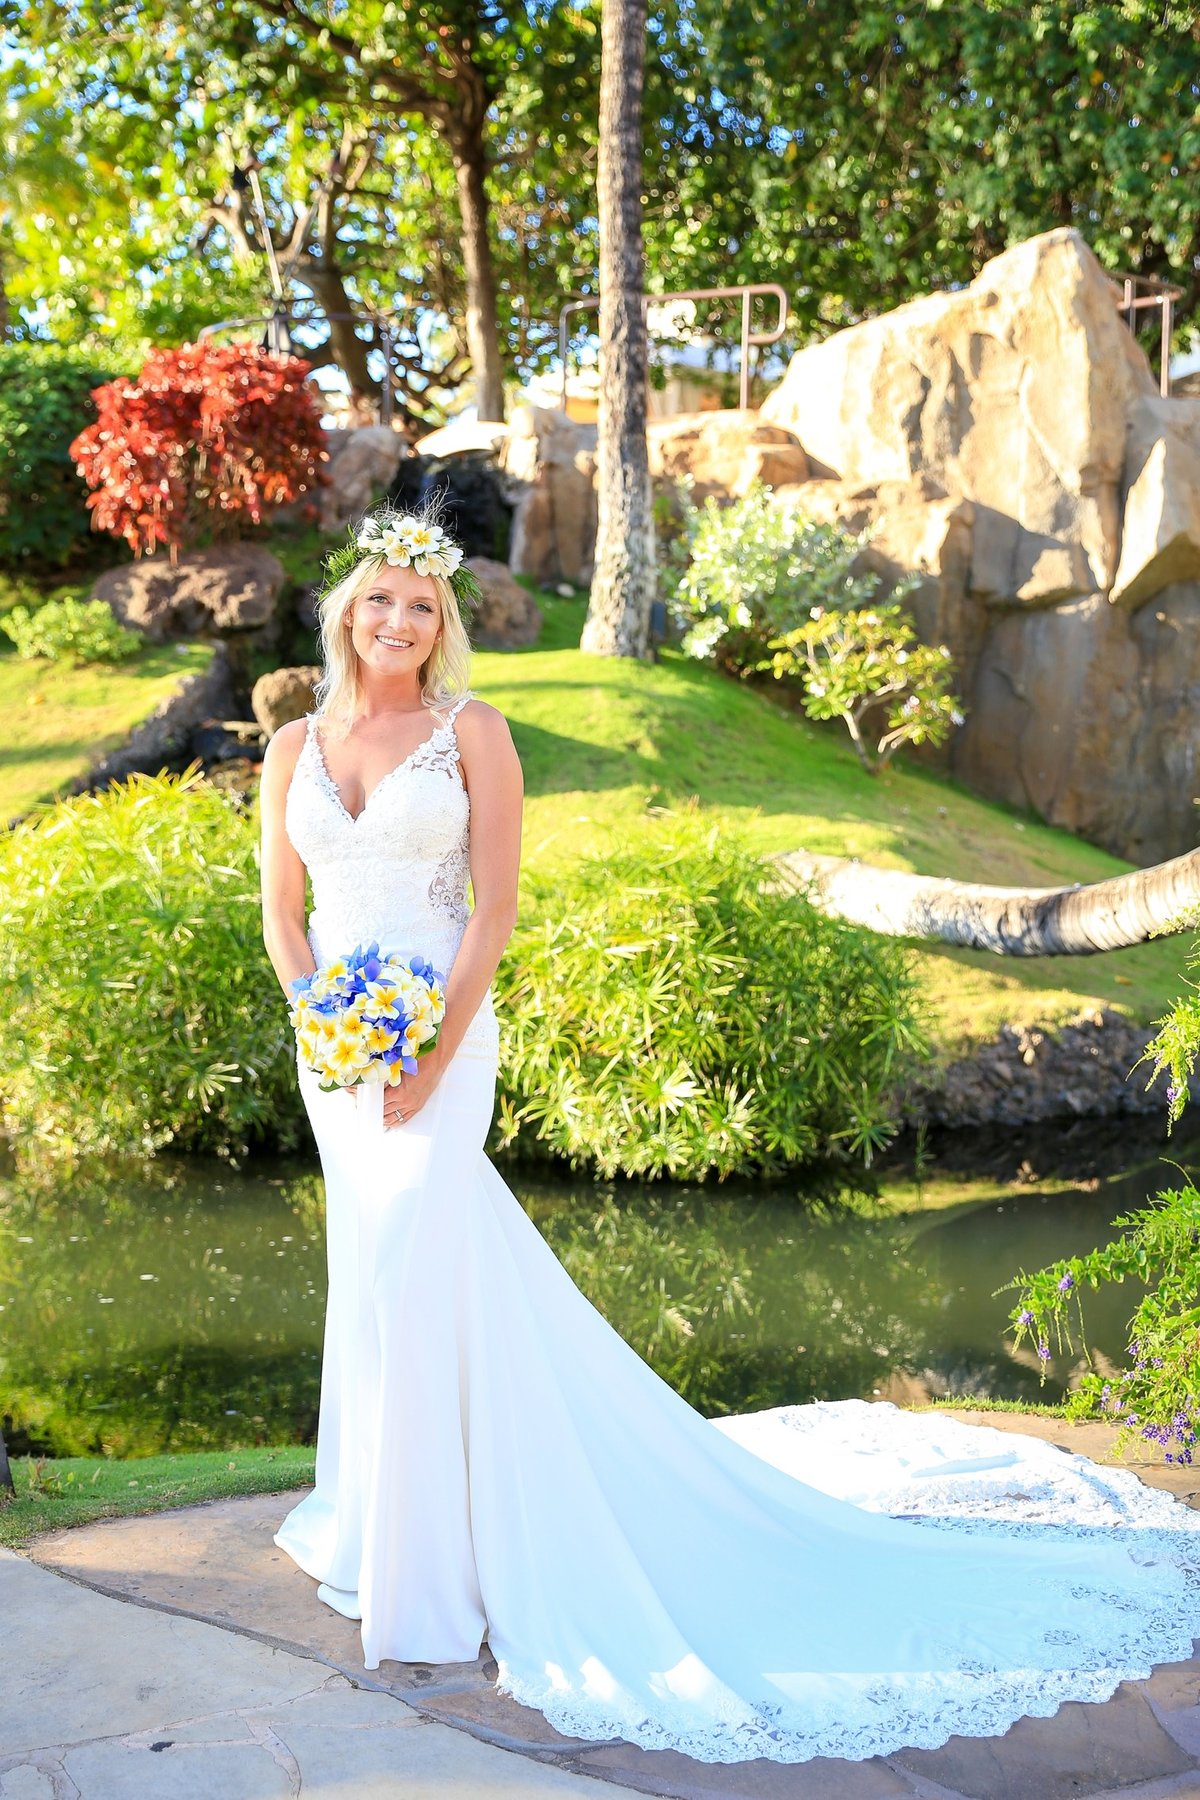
{"x":284,"y":746}
{"x":479,"y":719}
{"x":287,"y":741}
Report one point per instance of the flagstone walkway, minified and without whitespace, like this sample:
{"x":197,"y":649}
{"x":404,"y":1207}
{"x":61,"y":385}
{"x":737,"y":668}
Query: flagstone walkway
{"x":181,"y":1654}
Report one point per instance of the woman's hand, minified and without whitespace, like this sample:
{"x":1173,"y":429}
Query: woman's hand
{"x":400,"y":1103}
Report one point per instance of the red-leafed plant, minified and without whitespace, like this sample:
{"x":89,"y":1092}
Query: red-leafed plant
{"x":206,"y":436}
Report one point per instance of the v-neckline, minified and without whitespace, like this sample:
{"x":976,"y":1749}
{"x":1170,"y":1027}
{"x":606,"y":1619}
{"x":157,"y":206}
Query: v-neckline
{"x":335,"y":791}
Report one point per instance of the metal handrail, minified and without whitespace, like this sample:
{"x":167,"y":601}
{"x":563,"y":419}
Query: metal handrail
{"x":1162,"y":294}
{"x":747,"y":290}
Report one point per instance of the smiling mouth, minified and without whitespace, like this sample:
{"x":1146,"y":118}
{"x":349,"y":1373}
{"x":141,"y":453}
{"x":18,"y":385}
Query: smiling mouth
{"x":396,"y":643}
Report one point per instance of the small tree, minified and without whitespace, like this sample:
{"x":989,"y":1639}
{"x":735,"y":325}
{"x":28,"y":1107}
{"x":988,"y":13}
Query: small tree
{"x":854,"y":661}
{"x":206,"y":436}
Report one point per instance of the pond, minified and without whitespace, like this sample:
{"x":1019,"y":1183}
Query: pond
{"x":179,"y":1304}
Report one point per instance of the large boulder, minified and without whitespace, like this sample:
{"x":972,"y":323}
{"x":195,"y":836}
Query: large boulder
{"x":225,"y":591}
{"x":284,"y":695}
{"x":1160,"y":535}
{"x":508,"y":617}
{"x":363,"y":464}
{"x":1013,"y":392}
{"x":1086,"y":714}
{"x":724,"y":452}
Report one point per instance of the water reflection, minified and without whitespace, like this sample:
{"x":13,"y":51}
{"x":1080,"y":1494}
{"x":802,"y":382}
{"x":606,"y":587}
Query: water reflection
{"x":180,"y":1305}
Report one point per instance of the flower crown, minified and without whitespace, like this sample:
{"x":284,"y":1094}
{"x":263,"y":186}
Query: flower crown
{"x":404,"y":541}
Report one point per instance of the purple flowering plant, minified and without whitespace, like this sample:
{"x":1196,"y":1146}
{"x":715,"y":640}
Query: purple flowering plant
{"x":1157,"y":1396}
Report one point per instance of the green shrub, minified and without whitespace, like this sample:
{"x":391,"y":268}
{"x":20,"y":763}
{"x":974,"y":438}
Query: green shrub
{"x":755,"y":568}
{"x":137,"y":1003}
{"x":758,"y":587}
{"x":665,"y":1015}
{"x":45,"y":402}
{"x":661,"y":1014}
{"x":70,"y":631}
{"x":1158,"y":1396}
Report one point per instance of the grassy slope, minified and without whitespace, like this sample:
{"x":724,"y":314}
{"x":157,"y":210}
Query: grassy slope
{"x":57,"y":721}
{"x":602,"y":740}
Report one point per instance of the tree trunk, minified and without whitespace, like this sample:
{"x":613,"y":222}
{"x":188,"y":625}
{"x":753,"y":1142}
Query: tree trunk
{"x":7,"y":1484}
{"x":350,"y":352}
{"x":1074,"y":921}
{"x":483,"y":337}
{"x":618,"y":621}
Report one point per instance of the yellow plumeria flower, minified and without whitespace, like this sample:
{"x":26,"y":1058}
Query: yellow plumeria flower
{"x":346,"y":1059}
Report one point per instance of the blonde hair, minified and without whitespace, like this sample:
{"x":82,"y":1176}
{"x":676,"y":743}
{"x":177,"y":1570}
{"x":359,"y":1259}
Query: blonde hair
{"x":444,"y":675}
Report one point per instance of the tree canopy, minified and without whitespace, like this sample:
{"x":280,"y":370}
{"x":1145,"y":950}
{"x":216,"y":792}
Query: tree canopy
{"x":438,"y":160}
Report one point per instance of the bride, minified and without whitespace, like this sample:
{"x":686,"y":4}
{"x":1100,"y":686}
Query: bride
{"x":494,"y":1461}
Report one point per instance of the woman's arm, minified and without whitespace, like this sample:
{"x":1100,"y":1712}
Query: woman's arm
{"x":281,"y":871}
{"x":492,"y":771}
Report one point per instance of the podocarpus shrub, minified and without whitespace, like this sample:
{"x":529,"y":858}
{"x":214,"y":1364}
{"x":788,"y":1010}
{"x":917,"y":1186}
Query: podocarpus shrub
{"x":1157,"y":1396}
{"x":660,"y":1014}
{"x":137,"y":1005}
{"x":45,"y":402}
{"x":666,"y":1015}
{"x":206,"y":436}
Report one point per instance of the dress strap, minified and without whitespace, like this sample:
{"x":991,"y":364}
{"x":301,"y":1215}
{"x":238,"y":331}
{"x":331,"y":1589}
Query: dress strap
{"x":458,"y":706}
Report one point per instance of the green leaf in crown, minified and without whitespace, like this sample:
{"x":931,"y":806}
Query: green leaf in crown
{"x":404,"y":540}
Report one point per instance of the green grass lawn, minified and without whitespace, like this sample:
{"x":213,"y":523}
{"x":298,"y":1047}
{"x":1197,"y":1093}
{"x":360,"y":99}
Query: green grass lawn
{"x":58,"y":721}
{"x":604,"y":742}
{"x":74,"y":1490}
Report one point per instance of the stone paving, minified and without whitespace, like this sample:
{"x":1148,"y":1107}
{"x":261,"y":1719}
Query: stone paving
{"x":292,"y":1700}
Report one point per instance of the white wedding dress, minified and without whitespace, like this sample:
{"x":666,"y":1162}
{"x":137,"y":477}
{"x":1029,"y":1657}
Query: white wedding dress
{"x":494,"y":1461}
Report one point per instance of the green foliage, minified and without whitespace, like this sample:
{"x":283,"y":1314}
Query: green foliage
{"x":862,"y":153}
{"x":45,"y":402}
{"x":664,"y":1015}
{"x":70,"y":631}
{"x":1176,"y":1044}
{"x":764,"y":588}
{"x":137,"y":1005}
{"x":853,"y":661}
{"x":1158,"y":1396}
{"x":1160,"y":1392}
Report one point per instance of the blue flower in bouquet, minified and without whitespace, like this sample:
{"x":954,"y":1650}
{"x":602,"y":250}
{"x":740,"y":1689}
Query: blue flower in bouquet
{"x":367,"y":1016}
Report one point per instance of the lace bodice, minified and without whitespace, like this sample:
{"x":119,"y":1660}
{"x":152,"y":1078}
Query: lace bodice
{"x":398,"y":871}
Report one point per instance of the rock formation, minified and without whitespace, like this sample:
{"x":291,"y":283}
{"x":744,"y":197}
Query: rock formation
{"x":225,"y":591}
{"x":363,"y":463}
{"x":508,"y":617}
{"x":1007,"y":442}
{"x":284,"y":695}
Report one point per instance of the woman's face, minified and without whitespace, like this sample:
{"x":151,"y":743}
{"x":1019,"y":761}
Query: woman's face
{"x":396,"y":621}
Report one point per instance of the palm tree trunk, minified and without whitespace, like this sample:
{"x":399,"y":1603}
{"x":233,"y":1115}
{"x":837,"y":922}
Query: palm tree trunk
{"x":1073,"y":921}
{"x":618,"y":621}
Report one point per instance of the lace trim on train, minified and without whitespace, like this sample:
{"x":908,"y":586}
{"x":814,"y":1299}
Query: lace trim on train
{"x":875,"y":1717}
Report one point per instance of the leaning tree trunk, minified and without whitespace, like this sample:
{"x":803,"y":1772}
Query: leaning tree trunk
{"x":1074,"y":921}
{"x":618,"y":621}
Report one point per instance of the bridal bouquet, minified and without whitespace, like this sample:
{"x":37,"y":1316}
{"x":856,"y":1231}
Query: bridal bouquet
{"x":366,"y":1017}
